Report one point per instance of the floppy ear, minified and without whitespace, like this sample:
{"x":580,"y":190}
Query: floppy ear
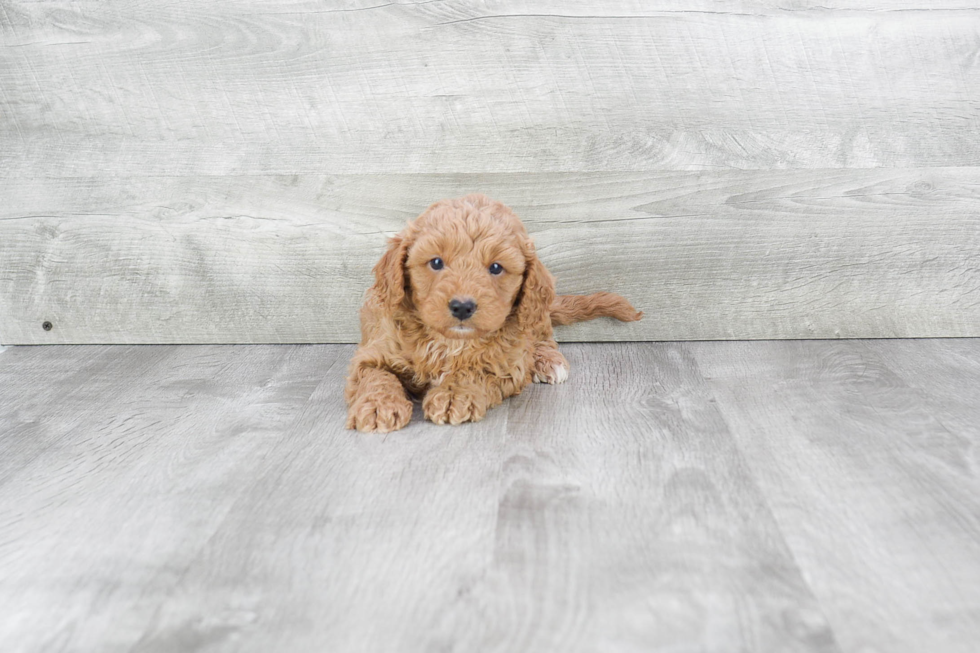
{"x":389,"y":272}
{"x":537,"y":293}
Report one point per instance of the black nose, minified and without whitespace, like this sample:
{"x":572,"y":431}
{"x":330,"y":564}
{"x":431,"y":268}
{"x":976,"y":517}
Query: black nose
{"x":462,"y":310}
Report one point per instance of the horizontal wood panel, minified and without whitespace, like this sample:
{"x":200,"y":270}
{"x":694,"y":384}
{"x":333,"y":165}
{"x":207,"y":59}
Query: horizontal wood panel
{"x":735,"y":254}
{"x":184,"y":88}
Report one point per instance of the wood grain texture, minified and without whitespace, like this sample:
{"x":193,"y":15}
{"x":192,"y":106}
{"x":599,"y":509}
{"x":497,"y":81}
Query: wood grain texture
{"x":763,"y":497}
{"x":628,"y":521}
{"x":130,"y":487}
{"x":218,"y":504}
{"x":872,"y":475}
{"x":735,"y":254}
{"x":946,"y":380}
{"x":266,"y":87}
{"x":341,"y":532}
{"x":183,"y":173}
{"x":45,"y":401}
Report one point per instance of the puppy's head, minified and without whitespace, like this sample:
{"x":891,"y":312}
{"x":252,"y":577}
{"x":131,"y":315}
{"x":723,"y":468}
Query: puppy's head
{"x":466,"y":267}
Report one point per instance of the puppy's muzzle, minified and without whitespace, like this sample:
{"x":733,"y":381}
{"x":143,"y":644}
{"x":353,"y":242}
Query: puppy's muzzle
{"x":462,"y":310}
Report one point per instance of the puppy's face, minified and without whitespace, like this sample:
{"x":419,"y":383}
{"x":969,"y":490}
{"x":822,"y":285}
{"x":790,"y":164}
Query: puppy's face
{"x":465,"y":268}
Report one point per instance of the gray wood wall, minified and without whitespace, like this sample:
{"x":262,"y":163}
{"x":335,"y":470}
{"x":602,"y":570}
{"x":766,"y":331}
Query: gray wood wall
{"x":185,"y":171}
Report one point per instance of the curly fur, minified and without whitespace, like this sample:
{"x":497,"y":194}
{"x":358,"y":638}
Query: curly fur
{"x":412,"y":345}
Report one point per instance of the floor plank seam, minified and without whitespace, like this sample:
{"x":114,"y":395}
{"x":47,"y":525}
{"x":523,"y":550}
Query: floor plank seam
{"x":773,"y":515}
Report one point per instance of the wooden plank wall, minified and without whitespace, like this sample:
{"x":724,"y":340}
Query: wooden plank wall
{"x":180,"y":171}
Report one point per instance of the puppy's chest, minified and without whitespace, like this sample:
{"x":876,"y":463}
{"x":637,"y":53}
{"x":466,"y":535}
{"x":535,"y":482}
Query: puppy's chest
{"x":432,"y":360}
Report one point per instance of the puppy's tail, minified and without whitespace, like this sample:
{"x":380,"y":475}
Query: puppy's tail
{"x":568,"y":309}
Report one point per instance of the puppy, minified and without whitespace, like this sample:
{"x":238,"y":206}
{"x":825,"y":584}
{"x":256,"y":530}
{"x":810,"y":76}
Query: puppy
{"x":460,"y":315}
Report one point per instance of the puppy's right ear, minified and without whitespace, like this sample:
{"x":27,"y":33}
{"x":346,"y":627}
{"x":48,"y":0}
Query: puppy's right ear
{"x":389,"y":272}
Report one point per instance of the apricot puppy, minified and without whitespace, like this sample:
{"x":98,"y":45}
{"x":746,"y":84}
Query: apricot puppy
{"x":460,"y":315}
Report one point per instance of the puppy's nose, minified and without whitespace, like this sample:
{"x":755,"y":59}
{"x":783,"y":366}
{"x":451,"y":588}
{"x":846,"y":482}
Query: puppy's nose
{"x":462,"y":310}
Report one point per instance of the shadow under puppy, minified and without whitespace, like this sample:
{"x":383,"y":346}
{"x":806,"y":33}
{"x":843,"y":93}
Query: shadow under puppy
{"x":460,"y":315}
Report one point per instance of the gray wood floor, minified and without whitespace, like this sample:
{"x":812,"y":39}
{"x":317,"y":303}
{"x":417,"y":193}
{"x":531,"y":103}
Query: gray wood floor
{"x":722,"y":496}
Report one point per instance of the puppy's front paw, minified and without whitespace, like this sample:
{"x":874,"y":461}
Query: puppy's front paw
{"x":379,"y":413}
{"x":550,"y":367}
{"x":442,"y":405}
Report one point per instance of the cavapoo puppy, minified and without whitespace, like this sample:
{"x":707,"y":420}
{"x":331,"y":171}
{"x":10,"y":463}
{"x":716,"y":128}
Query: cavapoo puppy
{"x":460,"y":315}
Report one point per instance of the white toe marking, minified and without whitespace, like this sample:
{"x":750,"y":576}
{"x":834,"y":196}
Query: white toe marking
{"x":561,"y":373}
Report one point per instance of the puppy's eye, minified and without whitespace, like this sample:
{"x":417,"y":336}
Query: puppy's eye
{"x":496,"y":268}
{"x":436,"y":264}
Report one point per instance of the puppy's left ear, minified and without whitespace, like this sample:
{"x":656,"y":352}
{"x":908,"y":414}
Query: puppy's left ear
{"x":537,"y":293}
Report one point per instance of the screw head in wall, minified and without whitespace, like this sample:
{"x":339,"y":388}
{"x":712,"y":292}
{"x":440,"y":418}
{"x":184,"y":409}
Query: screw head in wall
{"x":47,"y":326}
